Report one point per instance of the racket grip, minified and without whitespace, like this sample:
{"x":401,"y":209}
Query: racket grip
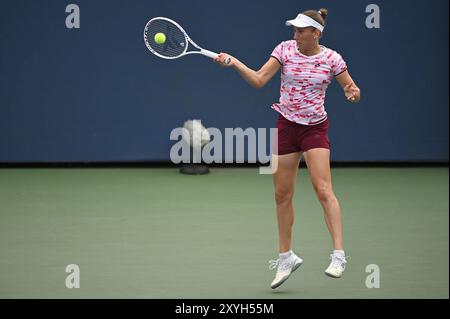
{"x":214,"y":55}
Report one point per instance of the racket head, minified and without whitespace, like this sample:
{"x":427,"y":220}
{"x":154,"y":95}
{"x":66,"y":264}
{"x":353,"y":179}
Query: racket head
{"x":176,"y":43}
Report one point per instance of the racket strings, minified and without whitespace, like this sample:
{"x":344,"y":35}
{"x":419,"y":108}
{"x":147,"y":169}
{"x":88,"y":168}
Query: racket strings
{"x":175,"y":42}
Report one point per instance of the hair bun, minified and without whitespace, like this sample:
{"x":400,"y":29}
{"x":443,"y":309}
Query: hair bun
{"x":323,"y":12}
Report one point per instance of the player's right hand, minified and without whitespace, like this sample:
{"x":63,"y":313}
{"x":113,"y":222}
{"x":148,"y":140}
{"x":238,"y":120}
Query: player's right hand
{"x":222,"y":58}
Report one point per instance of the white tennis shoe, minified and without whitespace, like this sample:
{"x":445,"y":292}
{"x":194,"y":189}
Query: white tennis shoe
{"x":337,"y":265}
{"x":284,"y":268}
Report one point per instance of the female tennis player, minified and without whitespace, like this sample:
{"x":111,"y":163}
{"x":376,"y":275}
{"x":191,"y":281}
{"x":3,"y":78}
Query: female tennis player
{"x":307,"y":68}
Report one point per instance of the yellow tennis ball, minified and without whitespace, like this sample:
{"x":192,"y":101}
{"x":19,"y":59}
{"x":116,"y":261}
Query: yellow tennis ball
{"x":160,"y":38}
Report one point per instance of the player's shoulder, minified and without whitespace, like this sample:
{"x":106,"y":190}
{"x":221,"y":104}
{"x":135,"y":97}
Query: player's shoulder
{"x":330,"y":53}
{"x":287,"y":44}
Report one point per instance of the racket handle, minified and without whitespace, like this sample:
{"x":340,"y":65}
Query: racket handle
{"x":213,"y":55}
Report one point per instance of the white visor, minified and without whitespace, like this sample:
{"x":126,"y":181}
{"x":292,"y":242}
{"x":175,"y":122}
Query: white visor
{"x":302,"y":21}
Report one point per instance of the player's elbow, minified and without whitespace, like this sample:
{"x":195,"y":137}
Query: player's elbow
{"x":259,"y":82}
{"x":258,"y":85}
{"x":255,"y":83}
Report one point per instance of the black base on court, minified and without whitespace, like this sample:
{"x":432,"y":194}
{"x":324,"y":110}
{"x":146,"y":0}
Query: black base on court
{"x":194,"y":169}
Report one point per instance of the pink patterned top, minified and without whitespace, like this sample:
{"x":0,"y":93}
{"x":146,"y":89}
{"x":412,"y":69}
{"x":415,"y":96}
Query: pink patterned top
{"x":304,"y":81}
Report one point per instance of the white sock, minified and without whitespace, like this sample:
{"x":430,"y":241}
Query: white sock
{"x":338,"y":252}
{"x":286,"y":254}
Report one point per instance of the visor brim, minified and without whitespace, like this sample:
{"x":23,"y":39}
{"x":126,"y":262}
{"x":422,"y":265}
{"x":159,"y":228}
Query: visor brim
{"x":296,"y":23}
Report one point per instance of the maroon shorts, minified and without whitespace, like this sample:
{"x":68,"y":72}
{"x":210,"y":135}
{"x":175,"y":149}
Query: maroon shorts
{"x":293,"y":137}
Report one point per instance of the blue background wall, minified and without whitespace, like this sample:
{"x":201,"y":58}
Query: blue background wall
{"x":97,"y":94}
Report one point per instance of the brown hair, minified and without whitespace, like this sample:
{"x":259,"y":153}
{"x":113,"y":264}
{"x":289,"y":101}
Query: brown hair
{"x":315,"y":15}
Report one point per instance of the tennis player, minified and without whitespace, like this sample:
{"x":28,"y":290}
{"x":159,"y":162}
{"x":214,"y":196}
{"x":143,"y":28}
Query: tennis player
{"x":307,"y":68}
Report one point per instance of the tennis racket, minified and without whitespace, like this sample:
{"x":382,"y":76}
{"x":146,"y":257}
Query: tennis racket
{"x":176,"y":40}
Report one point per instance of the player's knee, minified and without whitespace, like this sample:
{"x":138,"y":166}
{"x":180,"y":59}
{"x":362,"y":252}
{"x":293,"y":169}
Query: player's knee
{"x":283,"y":197}
{"x":324,"y":193}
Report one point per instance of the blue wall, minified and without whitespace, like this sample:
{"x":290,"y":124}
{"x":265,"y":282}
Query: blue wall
{"x":97,"y":94}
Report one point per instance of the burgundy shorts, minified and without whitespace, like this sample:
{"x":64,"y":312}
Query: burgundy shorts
{"x":293,"y":137}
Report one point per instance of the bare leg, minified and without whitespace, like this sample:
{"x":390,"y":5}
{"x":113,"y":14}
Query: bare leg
{"x":318,"y":161}
{"x":284,"y":180}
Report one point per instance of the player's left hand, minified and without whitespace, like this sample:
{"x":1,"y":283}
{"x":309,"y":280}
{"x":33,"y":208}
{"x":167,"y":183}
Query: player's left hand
{"x":352,"y":92}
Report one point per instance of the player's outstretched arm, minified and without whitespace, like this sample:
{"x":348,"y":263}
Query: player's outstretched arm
{"x":257,"y":79}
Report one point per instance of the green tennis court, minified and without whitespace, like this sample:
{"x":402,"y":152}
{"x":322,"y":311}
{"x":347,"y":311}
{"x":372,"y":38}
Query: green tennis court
{"x":155,"y":233}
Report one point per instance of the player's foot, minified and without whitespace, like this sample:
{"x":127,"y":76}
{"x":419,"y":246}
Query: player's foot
{"x":284,"y":266}
{"x":337,"y":265}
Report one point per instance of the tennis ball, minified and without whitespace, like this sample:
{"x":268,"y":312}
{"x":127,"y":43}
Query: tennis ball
{"x":160,"y":38}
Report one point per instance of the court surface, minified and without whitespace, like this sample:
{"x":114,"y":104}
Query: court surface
{"x":155,"y":233}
